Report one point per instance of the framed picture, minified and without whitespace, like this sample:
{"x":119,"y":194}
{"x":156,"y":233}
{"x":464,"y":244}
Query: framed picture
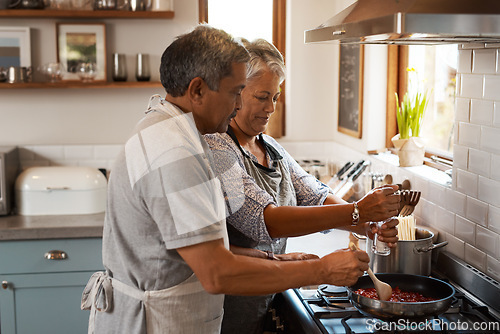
{"x":15,"y":47}
{"x":351,"y":90}
{"x":82,"y":43}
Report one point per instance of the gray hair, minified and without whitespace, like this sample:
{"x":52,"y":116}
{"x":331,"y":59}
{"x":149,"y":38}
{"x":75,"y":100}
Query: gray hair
{"x":205,"y":52}
{"x":263,"y":56}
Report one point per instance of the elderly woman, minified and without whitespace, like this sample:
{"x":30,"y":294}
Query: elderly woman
{"x":270,"y":197}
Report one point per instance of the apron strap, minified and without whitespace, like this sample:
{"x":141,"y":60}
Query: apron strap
{"x":98,"y":283}
{"x":101,"y":284}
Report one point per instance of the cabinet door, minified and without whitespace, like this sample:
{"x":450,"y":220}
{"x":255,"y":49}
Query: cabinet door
{"x":43,"y":303}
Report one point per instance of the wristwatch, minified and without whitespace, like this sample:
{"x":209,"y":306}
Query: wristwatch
{"x":355,"y":215}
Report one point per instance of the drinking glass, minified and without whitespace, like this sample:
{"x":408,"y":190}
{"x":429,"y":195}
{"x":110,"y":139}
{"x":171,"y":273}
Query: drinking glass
{"x":87,"y":71}
{"x":119,"y":67}
{"x":379,"y":247}
{"x":53,"y":71}
{"x":142,"y":72}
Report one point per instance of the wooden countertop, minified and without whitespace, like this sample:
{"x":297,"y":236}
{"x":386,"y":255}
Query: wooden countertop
{"x":51,"y":227}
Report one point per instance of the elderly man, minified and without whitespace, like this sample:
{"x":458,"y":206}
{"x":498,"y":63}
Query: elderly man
{"x":165,"y":245}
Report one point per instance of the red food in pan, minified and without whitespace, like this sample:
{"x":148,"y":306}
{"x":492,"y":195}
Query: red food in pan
{"x":397,"y":295}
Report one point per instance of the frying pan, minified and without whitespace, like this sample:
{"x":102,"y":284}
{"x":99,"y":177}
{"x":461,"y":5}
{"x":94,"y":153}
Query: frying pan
{"x":427,"y":286}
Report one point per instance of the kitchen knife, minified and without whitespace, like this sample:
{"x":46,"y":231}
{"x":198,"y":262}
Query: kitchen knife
{"x":347,"y":190}
{"x":351,"y":172}
{"x":338,"y":176}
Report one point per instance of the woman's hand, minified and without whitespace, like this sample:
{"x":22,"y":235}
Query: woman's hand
{"x":379,"y":204}
{"x":387,"y":231}
{"x":295,"y":256}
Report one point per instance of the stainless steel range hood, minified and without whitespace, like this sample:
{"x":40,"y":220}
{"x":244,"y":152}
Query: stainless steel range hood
{"x":412,"y":22}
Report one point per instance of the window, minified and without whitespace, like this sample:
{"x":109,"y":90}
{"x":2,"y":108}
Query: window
{"x":256,"y":19}
{"x":436,"y":69}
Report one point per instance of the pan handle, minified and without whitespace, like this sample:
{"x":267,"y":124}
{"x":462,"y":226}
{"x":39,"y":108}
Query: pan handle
{"x":419,"y":250}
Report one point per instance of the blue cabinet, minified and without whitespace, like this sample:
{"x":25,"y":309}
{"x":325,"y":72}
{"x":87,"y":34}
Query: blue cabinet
{"x":42,"y":283}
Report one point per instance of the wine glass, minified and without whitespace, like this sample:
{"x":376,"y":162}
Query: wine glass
{"x":53,"y":71}
{"x":87,"y":71}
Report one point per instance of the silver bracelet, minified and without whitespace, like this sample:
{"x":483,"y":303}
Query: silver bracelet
{"x":355,"y":215}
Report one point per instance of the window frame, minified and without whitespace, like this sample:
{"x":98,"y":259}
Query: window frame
{"x":397,"y":79}
{"x":277,"y":128}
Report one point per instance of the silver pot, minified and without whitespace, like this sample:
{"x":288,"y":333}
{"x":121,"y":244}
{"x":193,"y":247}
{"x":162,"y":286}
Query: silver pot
{"x":409,"y":257}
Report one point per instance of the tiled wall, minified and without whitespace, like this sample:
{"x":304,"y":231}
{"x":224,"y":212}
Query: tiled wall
{"x":467,"y":214}
{"x":473,"y":229}
{"x":98,"y":156}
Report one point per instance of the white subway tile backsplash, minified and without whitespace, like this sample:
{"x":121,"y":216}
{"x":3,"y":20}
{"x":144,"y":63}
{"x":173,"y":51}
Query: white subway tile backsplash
{"x":496,"y":114}
{"x":479,"y":162}
{"x":460,"y":156}
{"x":98,"y":156}
{"x":475,"y":257}
{"x":427,"y":212}
{"x":484,"y":61}
{"x":471,"y":86}
{"x":490,"y":139}
{"x":48,"y":152}
{"x":444,"y":219}
{"x":454,"y":201}
{"x":481,"y":111}
{"x":466,"y":182}
{"x":487,"y":241}
{"x":465,"y":61}
{"x":455,"y":246}
{"x":493,"y":267}
{"x":109,"y":152}
{"x":78,"y":152}
{"x":494,"y":219}
{"x":469,"y":134}
{"x":465,"y":230}
{"x":489,"y":191}
{"x":462,"y":109}
{"x":495,"y":167}
{"x":491,"y":87}
{"x":476,"y":211}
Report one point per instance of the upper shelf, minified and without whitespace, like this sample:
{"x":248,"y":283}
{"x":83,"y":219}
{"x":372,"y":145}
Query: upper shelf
{"x":83,"y":14}
{"x":80,"y":84}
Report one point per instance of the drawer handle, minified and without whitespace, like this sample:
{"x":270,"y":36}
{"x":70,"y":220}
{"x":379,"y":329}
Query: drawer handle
{"x":56,"y":255}
{"x":5,"y":285}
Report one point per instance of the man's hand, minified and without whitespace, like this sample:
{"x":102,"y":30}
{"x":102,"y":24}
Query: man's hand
{"x":344,"y":267}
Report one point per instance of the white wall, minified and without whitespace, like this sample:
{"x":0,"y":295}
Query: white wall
{"x":88,"y":116}
{"x":312,"y":82}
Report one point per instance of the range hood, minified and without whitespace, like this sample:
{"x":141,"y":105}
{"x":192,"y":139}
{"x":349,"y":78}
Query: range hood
{"x":412,"y":22}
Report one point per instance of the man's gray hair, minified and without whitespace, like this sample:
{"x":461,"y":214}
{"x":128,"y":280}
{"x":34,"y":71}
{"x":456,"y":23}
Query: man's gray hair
{"x":205,"y":52}
{"x":263,"y":56}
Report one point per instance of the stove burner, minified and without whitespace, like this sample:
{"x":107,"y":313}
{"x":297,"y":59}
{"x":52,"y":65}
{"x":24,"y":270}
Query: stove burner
{"x":332,"y":290}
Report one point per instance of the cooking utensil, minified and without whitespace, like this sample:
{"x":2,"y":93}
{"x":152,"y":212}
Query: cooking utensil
{"x":408,"y":257}
{"x":441,"y":291}
{"x":334,"y":181}
{"x":346,"y":191}
{"x":351,"y":172}
{"x":410,"y":199}
{"x":384,"y":290}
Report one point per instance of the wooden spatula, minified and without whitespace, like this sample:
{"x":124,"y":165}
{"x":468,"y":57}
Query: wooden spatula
{"x":384,"y":290}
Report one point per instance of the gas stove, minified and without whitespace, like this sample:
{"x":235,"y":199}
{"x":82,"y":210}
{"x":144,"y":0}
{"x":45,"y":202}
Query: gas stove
{"x":327,"y":309}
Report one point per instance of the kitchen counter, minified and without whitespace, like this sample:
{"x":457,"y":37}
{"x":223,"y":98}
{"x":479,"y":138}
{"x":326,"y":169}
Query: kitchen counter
{"x":51,"y":227}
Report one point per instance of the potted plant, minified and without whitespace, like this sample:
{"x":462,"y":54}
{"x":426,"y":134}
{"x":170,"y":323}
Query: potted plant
{"x":409,"y":116}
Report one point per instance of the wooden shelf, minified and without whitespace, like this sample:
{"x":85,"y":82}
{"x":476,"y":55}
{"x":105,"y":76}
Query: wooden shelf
{"x":84,"y":14}
{"x":80,"y":84}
